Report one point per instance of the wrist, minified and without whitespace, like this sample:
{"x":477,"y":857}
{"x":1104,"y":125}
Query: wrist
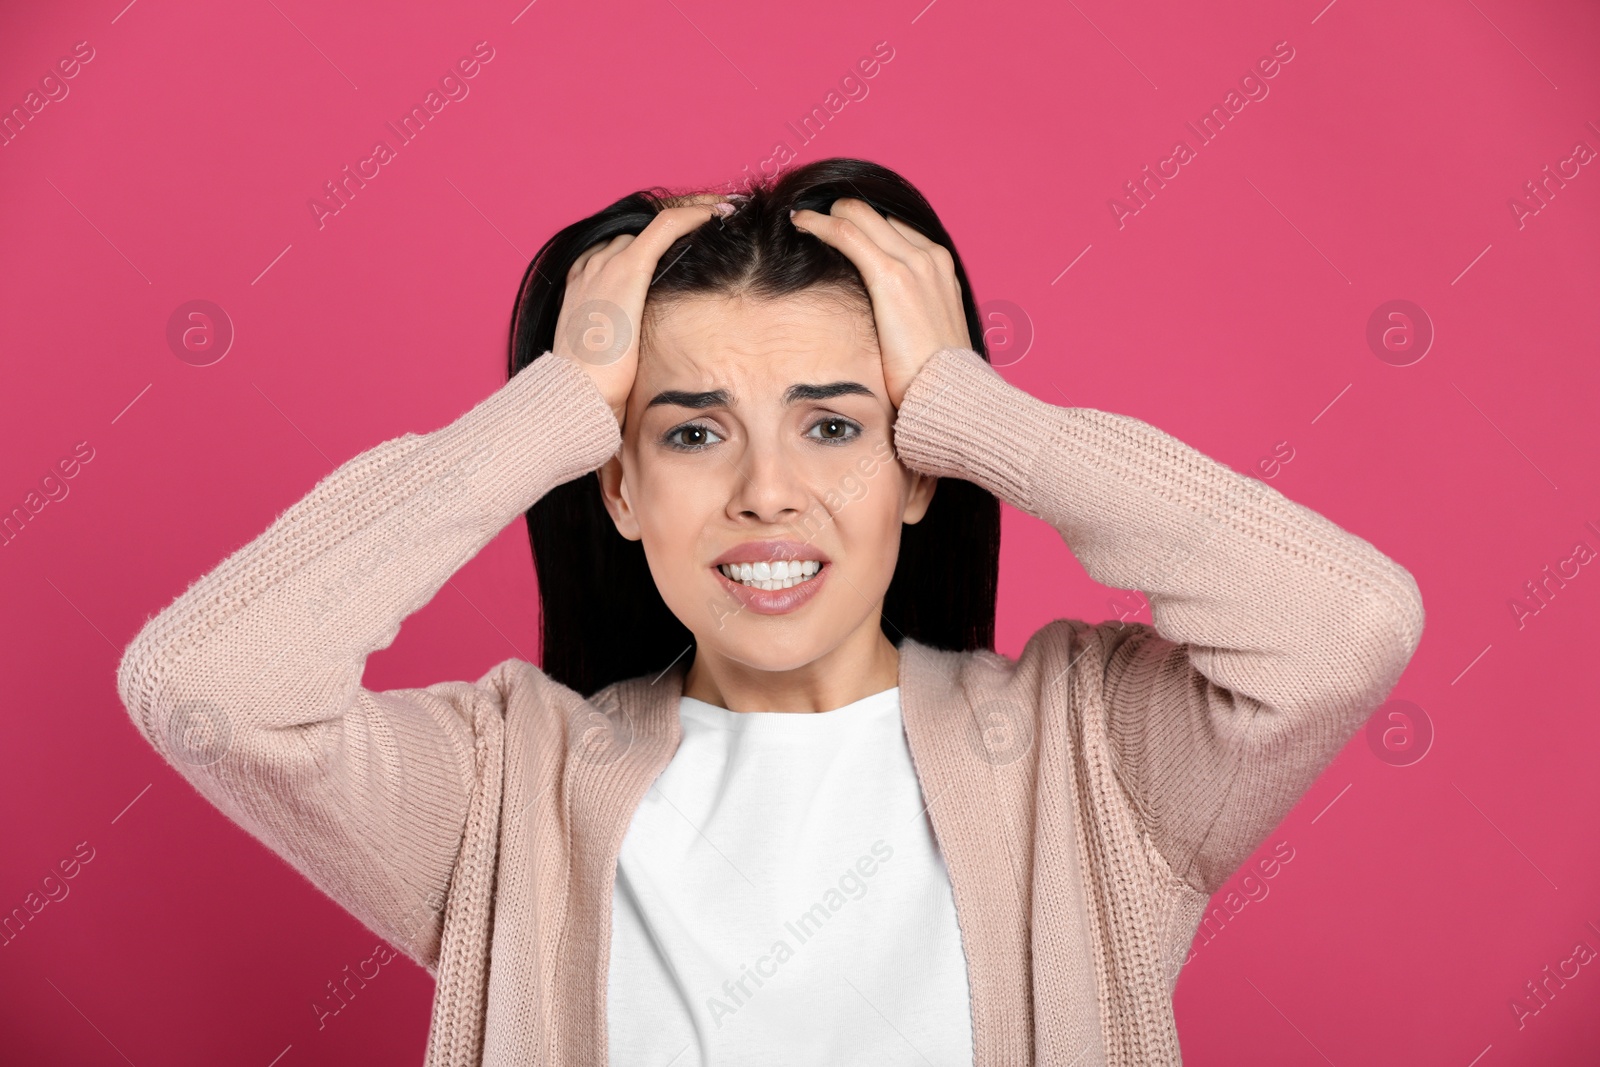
{"x":602,"y":378}
{"x":900,"y":386}
{"x":962,"y":419}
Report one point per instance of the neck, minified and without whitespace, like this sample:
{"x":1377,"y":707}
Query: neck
{"x":864,"y":664}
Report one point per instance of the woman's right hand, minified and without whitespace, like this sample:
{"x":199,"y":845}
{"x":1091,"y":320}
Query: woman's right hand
{"x":603,"y":306}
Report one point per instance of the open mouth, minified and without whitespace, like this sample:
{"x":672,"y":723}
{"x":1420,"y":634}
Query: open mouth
{"x":781,"y":574}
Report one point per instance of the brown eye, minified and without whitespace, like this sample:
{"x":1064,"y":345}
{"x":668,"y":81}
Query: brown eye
{"x":834,"y":429}
{"x":690,"y":437}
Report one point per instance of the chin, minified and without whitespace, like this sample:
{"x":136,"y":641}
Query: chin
{"x":766,"y":647}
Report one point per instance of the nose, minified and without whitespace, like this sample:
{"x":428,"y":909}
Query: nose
{"x":768,"y":487}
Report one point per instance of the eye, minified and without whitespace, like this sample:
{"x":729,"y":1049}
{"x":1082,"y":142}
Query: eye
{"x":690,"y":437}
{"x":834,"y":430}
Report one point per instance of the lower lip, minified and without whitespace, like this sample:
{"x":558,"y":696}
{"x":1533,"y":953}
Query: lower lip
{"x":774,"y":601}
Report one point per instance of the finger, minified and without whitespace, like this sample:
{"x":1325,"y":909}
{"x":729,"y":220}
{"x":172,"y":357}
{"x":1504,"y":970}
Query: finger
{"x":880,"y":229}
{"x":869,"y":257}
{"x":914,"y":235}
{"x":943,"y":259}
{"x":599,"y":252}
{"x":668,"y":225}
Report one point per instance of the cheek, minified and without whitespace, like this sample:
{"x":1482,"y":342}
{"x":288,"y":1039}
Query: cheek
{"x":674,"y":507}
{"x":870,"y":519}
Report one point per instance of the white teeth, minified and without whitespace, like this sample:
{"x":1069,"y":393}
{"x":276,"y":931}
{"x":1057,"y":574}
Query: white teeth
{"x":780,"y":574}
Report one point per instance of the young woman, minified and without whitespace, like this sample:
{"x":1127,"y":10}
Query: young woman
{"x":773,"y":797}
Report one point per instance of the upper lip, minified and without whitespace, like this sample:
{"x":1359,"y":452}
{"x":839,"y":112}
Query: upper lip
{"x":770,"y":552}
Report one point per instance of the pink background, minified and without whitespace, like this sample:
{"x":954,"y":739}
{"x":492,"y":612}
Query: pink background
{"x":1231,"y":311}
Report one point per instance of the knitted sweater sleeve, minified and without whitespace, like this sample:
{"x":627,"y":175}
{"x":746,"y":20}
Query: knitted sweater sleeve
{"x":1276,"y":632}
{"x":249,"y":684}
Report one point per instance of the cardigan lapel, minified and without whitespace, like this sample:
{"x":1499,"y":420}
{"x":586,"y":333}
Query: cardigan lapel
{"x":626,"y":743}
{"x":455,"y":1032}
{"x":971,"y":805}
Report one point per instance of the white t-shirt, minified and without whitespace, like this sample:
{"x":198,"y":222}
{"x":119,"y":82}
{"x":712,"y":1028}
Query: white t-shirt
{"x":780,"y":899}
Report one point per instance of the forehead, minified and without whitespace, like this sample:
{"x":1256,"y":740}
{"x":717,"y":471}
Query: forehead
{"x":817,"y":335}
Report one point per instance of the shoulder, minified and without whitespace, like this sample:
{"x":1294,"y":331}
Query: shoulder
{"x":1088,"y":652}
{"x":1062,"y":657}
{"x":1057,"y":644}
{"x":529,"y":698}
{"x":627,"y":717}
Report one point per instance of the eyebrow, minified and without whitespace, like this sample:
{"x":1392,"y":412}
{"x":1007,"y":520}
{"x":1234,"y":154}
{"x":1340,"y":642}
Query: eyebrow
{"x":792,"y":395}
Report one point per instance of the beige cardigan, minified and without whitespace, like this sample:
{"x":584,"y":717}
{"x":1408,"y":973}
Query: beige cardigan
{"x":1087,"y":797}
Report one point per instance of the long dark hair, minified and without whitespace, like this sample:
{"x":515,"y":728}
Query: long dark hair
{"x":601,"y":618}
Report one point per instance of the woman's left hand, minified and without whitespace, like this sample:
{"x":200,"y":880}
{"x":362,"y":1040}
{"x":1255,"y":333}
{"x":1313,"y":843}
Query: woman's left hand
{"x":916,"y":300}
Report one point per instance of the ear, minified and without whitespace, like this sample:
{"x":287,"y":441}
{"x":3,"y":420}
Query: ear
{"x":614,"y":492}
{"x":920,"y":497}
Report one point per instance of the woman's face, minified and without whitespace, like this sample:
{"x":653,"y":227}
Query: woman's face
{"x":759,"y":431}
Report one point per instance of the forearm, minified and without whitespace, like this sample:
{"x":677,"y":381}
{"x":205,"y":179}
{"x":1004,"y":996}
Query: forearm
{"x":296,"y":612}
{"x":1278,"y":630}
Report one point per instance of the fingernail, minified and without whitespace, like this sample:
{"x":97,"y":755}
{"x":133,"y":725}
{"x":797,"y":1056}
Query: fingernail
{"x":724,"y":209}
{"x":791,"y":213}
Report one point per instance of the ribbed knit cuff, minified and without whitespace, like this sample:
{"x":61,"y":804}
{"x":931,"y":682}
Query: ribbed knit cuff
{"x":961,"y":419}
{"x":548,"y":425}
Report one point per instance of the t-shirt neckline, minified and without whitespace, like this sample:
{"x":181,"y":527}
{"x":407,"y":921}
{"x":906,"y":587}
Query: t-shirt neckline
{"x":867,"y":707}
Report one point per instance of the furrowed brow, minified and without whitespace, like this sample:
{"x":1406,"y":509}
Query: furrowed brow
{"x":682,"y":399}
{"x":796,"y":393}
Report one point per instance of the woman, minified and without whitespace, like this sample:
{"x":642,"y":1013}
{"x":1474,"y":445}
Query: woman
{"x":773,"y":797}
